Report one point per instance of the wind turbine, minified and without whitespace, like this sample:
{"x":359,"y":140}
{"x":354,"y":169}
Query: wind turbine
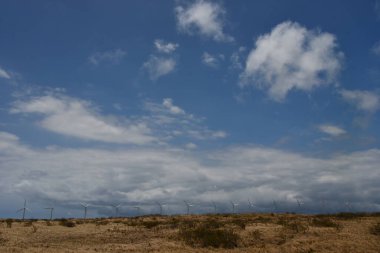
{"x":116,"y":209}
{"x":300,"y":204}
{"x":251,"y":205}
{"x":23,"y":210}
{"x":348,"y":206}
{"x":275,"y":207}
{"x":324,"y":206}
{"x":161,"y":206}
{"x":85,"y":205}
{"x":51,"y":211}
{"x":188,"y":205}
{"x":138,"y":210}
{"x":214,"y":205}
{"x":234,"y":205}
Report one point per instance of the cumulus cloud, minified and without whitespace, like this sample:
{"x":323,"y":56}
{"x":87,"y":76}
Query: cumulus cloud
{"x":376,"y":49}
{"x":112,"y":56}
{"x":4,"y":74}
{"x":292,"y":57}
{"x":175,"y":122}
{"x":78,"y":118}
{"x":204,"y":18}
{"x":159,"y":122}
{"x":168,"y":103}
{"x":331,"y":130}
{"x":362,"y":100}
{"x":165,"y":47}
{"x":145,"y":175}
{"x":212,"y":60}
{"x":236,"y":58}
{"x":159,"y":66}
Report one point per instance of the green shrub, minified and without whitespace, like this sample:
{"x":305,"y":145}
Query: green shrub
{"x":375,"y":230}
{"x":151,"y":224}
{"x":325,"y":222}
{"x":239,"y":222}
{"x":9,"y":222}
{"x":28,"y":224}
{"x":67,"y":223}
{"x":293,"y":225}
{"x":203,"y":236}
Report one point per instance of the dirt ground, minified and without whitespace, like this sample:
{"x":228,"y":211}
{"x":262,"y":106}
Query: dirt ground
{"x":196,"y":233}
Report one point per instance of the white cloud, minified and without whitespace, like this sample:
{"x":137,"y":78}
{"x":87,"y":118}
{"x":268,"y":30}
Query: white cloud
{"x":363,"y":100}
{"x":158,"y":124}
{"x":292,"y":57}
{"x":77,"y":118}
{"x":113,"y":56}
{"x":236,"y":58}
{"x":130,"y":175}
{"x":191,"y":145}
{"x":376,"y":49}
{"x":212,"y":60}
{"x":174,"y":122}
{"x":164,"y":47}
{"x":4,"y":74}
{"x":159,"y":66}
{"x":202,"y":17}
{"x":331,"y":130}
{"x":168,"y":103}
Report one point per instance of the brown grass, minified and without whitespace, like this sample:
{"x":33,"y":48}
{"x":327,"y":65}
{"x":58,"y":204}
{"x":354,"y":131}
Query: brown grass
{"x":279,"y":233}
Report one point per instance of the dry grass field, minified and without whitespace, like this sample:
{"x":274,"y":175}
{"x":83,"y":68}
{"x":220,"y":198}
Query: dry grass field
{"x":197,"y":233}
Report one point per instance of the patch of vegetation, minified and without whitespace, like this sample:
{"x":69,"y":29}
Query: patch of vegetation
{"x":48,"y":223}
{"x":28,"y":224}
{"x":67,"y":223}
{"x":2,"y":239}
{"x":292,"y":225}
{"x":9,"y":222}
{"x":324,"y":222}
{"x":203,"y":236}
{"x":151,"y":224}
{"x":375,"y":230}
{"x":261,"y":219}
{"x":102,"y":222}
{"x":255,"y":235}
{"x":241,"y":223}
{"x":350,"y":216}
{"x":34,"y":228}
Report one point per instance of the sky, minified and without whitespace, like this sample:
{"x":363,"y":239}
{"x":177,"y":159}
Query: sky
{"x":139,"y":102}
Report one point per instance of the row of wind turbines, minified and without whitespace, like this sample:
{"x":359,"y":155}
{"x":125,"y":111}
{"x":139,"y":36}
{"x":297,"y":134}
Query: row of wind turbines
{"x":189,"y":206}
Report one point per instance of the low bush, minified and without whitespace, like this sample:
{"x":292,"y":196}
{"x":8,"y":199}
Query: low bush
{"x":324,"y":222}
{"x":203,"y":236}
{"x":375,"y":230}
{"x":9,"y":222}
{"x":67,"y":223}
{"x":239,"y":222}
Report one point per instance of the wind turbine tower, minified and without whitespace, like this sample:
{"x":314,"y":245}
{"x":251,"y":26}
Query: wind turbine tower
{"x":51,"y":211}
{"x":161,"y":206}
{"x":24,"y":209}
{"x":234,"y":207}
{"x":116,"y":209}
{"x":188,"y":205}
{"x":85,"y":209}
{"x":214,"y":205}
{"x":138,"y":209}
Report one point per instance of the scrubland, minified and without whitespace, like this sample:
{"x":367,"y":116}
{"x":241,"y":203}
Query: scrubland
{"x":282,"y":233}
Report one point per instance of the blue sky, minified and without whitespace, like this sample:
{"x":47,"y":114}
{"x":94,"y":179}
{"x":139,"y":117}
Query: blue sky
{"x":140,"y":101}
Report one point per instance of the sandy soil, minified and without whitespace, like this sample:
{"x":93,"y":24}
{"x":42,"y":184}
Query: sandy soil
{"x":244,"y":233}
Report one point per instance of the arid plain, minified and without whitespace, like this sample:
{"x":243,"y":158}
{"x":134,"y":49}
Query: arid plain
{"x":283,"y":233}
